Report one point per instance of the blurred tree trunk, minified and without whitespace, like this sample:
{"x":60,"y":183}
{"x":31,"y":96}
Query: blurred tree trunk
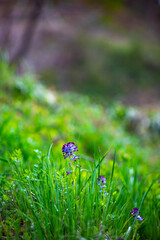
{"x":36,"y":9}
{"x":6,"y":9}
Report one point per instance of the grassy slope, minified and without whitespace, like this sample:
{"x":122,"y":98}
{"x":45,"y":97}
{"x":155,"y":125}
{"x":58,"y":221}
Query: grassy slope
{"x":37,"y":196}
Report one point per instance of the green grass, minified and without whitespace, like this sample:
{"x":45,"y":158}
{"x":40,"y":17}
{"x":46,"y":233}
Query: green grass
{"x":39,"y":200}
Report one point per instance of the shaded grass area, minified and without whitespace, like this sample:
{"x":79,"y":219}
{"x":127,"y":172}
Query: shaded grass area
{"x":39,"y":200}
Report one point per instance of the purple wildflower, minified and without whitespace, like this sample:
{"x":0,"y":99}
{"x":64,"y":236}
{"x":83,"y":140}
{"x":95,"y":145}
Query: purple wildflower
{"x":68,"y":151}
{"x":134,"y":212}
{"x":101,"y":182}
{"x":101,"y":179}
{"x":140,"y":218}
{"x":74,"y":156}
{"x":68,"y":172}
{"x":119,"y":238}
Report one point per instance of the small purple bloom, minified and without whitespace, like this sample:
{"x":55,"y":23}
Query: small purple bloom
{"x":101,"y":182}
{"x":119,"y":238}
{"x":68,"y":151}
{"x":134,"y":212}
{"x":101,"y":179}
{"x":74,"y":157}
{"x":140,"y":218}
{"x":68,"y":172}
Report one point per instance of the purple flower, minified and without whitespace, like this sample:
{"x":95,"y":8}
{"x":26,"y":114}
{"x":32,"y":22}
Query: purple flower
{"x":101,"y":179}
{"x":140,"y":218}
{"x":119,"y":238}
{"x":68,"y":151}
{"x":74,"y":157}
{"x":68,"y":172}
{"x":101,"y":182}
{"x":134,"y":212}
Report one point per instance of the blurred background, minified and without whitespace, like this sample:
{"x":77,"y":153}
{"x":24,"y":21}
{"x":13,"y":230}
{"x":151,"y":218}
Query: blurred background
{"x":109,"y":50}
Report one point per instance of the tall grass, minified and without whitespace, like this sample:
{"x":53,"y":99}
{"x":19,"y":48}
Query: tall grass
{"x":54,"y":205}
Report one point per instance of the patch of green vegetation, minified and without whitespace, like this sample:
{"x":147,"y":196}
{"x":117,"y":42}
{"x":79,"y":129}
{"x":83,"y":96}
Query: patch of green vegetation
{"x":39,"y":200}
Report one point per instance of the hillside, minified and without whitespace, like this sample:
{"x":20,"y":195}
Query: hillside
{"x":37,"y":195}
